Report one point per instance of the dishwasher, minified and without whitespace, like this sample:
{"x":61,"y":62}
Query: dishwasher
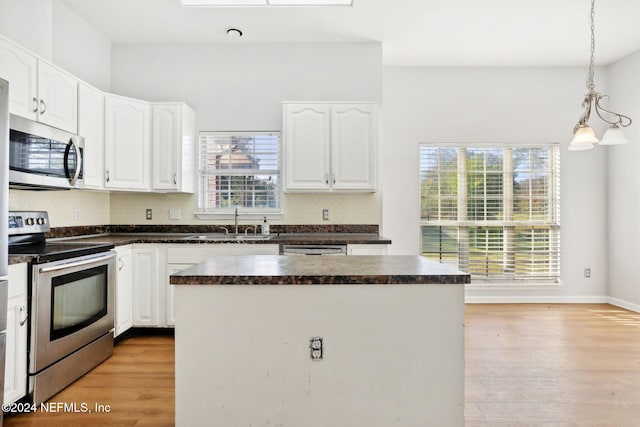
{"x":313,"y":249}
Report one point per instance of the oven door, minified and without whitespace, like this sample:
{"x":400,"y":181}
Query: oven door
{"x":72,"y":305}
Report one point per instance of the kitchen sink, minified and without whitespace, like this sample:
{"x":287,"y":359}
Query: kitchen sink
{"x":222,"y":237}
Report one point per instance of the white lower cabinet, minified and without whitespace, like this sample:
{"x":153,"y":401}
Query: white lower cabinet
{"x":15,"y":369}
{"x":368,"y":249}
{"x":124,"y":290}
{"x":147,"y":298}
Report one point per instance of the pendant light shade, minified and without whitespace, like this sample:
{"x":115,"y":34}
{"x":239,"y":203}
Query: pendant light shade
{"x":584,"y":136}
{"x":583,"y":139}
{"x":613,"y":136}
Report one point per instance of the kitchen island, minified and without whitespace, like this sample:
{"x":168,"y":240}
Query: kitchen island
{"x":319,"y":341}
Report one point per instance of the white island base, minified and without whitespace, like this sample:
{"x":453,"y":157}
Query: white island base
{"x":393,"y":355}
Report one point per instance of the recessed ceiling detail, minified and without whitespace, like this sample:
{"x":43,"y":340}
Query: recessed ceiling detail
{"x":196,"y":3}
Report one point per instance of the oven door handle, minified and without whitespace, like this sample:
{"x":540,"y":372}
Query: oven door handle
{"x":77,"y":263}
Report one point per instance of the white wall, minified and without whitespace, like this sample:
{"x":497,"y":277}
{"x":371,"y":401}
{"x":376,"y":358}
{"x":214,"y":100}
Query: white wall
{"x":80,"y":49}
{"x":29,"y":23}
{"x":241,"y":87}
{"x":520,"y":105}
{"x":624,"y":187}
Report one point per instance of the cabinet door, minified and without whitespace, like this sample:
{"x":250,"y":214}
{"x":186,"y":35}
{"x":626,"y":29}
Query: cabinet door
{"x":58,"y":98}
{"x":167,"y":146}
{"x":91,"y":127}
{"x":127,"y":144}
{"x":146,"y":304}
{"x":15,"y":369}
{"x":307,"y":132}
{"x":353,"y":146}
{"x":124,"y":291}
{"x":20,"y":69}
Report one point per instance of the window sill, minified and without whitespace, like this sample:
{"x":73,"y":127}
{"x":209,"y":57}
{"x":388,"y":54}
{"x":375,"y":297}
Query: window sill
{"x":512,"y":285}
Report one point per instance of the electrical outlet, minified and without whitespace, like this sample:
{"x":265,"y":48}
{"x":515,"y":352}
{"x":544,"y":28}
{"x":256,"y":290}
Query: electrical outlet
{"x":149,"y":214}
{"x":76,"y":213}
{"x":317,"y":348}
{"x":325,"y":214}
{"x":587,"y":273}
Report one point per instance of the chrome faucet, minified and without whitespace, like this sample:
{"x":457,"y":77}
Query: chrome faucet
{"x":236,"y":220}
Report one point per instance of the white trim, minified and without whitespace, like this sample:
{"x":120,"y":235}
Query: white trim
{"x":624,"y":304}
{"x":536,"y":299}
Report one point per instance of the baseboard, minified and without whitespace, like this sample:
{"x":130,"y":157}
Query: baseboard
{"x":535,"y":299}
{"x":624,"y":304}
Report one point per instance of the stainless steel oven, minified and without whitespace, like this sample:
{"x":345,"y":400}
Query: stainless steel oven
{"x":71,"y":304}
{"x":71,"y":320}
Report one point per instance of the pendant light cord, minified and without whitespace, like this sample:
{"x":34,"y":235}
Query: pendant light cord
{"x":590,"y":84}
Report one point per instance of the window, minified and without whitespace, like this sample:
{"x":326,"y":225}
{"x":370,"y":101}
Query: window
{"x":240,"y":169}
{"x":492,"y":212}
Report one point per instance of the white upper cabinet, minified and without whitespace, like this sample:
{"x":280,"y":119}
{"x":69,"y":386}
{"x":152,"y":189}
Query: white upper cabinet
{"x":173,"y":147}
{"x":127,"y":143}
{"x":353,"y":146}
{"x":330,"y":147}
{"x":58,"y":98}
{"x":20,"y":68}
{"x":39,"y":90}
{"x":91,"y":127}
{"x":307,"y":146}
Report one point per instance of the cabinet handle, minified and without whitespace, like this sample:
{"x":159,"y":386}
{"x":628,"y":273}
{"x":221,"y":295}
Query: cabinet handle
{"x":175,"y":179}
{"x":43,"y":106}
{"x":334,"y":177}
{"x":120,"y":264}
{"x":106,"y":175}
{"x":35,"y":105}
{"x":23,"y":310}
{"x":326,"y":178}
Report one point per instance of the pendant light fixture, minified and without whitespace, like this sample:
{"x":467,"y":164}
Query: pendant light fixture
{"x":584,"y":136}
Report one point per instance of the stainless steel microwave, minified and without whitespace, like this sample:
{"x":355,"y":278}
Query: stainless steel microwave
{"x":42,"y":157}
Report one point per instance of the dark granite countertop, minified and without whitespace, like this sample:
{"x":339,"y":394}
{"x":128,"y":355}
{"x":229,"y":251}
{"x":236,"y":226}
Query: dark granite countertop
{"x":120,"y":239}
{"x":318,"y":270}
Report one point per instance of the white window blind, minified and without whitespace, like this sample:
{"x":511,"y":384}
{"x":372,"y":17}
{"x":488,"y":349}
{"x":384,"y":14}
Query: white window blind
{"x":492,"y":212}
{"x":240,"y":169}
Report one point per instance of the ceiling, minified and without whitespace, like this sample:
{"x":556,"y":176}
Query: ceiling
{"x":412,"y":32}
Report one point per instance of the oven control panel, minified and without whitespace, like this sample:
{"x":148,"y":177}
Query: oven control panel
{"x":28,"y":222}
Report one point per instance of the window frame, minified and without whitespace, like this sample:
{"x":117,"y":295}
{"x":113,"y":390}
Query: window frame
{"x":514,"y":229}
{"x":205,"y":212}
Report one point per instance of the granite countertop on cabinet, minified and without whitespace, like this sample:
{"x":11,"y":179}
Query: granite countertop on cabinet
{"x":318,"y":270}
{"x":121,"y":239}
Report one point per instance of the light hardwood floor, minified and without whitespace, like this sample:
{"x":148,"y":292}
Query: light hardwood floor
{"x":552,"y":365}
{"x":137,"y":382}
{"x":526,"y":365}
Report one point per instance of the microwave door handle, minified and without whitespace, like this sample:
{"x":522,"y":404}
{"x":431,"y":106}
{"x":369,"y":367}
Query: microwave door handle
{"x":77,"y":264}
{"x":76,"y":174}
